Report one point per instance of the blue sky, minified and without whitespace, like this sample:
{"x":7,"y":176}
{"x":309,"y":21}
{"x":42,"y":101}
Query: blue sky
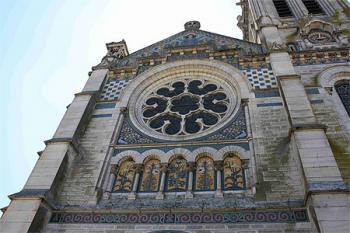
{"x":47,"y":48}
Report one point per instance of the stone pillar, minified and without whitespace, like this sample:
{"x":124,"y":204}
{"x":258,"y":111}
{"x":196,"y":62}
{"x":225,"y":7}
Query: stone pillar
{"x":24,"y":212}
{"x":19,"y":215}
{"x":298,"y":8}
{"x":138,"y":169}
{"x":112,"y":176}
{"x":160,"y":194}
{"x":328,"y":6}
{"x":218,"y":168}
{"x":320,"y":171}
{"x":191,"y":169}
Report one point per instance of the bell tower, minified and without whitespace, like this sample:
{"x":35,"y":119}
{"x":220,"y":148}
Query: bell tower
{"x":296,"y":24}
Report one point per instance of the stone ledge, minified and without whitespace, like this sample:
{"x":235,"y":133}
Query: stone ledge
{"x":3,"y":209}
{"x":297,"y":127}
{"x":58,"y":140}
{"x":284,"y":77}
{"x":29,"y":193}
{"x":85,"y":93}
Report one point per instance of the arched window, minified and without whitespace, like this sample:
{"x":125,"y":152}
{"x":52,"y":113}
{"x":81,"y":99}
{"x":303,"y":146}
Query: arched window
{"x":205,"y":174}
{"x":233,"y":173}
{"x":150,"y":176}
{"x":177,"y":175}
{"x":343,"y":90}
{"x":125,"y":176}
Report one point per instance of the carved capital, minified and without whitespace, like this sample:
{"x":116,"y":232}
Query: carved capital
{"x":218,"y":165}
{"x":123,"y":110}
{"x":114,"y":169}
{"x":191,"y":166}
{"x":138,"y":167}
{"x":164,"y":167}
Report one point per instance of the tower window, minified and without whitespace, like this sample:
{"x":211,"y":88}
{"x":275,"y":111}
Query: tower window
{"x":343,"y":90}
{"x":313,"y":7}
{"x":282,"y":8}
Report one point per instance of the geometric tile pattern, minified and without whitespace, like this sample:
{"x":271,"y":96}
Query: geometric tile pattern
{"x":261,"y":78}
{"x":112,"y":89}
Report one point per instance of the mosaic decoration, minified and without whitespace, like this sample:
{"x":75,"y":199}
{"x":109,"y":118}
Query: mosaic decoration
{"x":233,"y":173}
{"x":191,"y":38}
{"x":236,"y":129}
{"x":272,"y":216}
{"x":343,"y":90}
{"x":125,"y":177}
{"x":150,"y":176}
{"x":205,"y":174}
{"x":128,"y":135}
{"x":262,"y":78}
{"x":112,"y":89}
{"x":177,"y":175}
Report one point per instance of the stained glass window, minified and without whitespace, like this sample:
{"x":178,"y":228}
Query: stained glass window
{"x":343,"y":90}
{"x":150,"y":176}
{"x":185,"y":107}
{"x":205,"y":174}
{"x":177,"y":175}
{"x":125,"y":177}
{"x":233,"y":173}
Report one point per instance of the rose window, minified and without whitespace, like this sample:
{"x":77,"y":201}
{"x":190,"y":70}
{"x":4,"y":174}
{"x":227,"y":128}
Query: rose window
{"x":185,"y":107}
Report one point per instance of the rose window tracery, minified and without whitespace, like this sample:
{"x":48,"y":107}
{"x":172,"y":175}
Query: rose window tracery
{"x":185,"y":107}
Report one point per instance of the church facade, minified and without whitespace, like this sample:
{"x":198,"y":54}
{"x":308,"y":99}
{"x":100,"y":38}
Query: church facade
{"x":201,"y":132}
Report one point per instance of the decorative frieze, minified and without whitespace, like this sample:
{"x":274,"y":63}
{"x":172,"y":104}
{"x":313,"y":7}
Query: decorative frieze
{"x":234,"y":217}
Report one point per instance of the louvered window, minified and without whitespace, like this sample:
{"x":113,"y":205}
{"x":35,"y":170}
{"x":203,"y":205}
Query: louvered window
{"x":313,"y":6}
{"x":282,"y":8}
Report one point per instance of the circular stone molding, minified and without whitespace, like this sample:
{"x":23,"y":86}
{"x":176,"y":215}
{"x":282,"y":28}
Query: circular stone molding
{"x":184,"y":102}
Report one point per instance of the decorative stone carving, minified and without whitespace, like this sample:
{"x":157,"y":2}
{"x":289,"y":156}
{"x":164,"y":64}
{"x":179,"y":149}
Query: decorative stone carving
{"x":184,"y":105}
{"x":192,"y":25}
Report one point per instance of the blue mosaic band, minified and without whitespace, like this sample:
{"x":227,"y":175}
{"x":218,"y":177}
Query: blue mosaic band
{"x":277,"y":216}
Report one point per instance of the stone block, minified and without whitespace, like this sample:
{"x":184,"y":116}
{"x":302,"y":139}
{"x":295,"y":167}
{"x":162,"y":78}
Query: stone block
{"x":95,"y":80}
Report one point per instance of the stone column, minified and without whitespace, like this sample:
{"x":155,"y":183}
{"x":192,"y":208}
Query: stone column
{"x":191,"y":169}
{"x":138,"y":169}
{"x":218,"y":168}
{"x":298,"y":8}
{"x":160,"y":194}
{"x":112,"y":176}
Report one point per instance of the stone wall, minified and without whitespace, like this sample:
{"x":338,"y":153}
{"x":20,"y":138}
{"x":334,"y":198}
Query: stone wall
{"x":202,"y":228}
{"x":278,"y":173}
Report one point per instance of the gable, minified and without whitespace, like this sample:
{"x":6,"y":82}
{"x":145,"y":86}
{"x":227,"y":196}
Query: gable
{"x":189,"y":39}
